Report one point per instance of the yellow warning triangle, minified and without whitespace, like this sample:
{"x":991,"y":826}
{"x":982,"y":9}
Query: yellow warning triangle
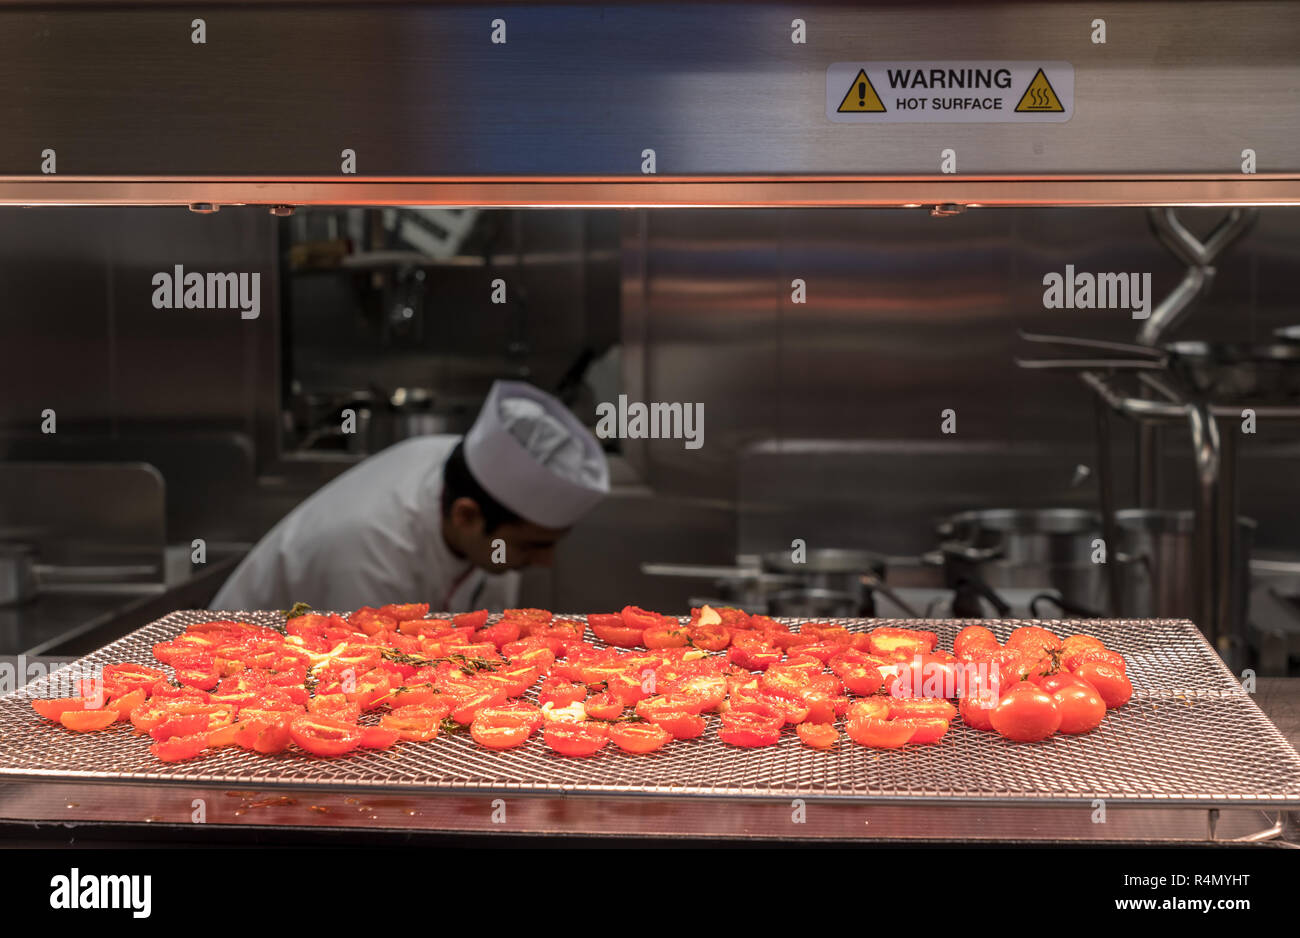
{"x":1039,"y":97}
{"x":861,"y":98}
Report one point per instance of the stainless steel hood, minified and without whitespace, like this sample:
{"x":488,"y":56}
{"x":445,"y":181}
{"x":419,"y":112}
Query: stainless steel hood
{"x":126,"y":107}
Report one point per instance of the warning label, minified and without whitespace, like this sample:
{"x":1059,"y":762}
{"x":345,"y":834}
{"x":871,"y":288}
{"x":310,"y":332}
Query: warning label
{"x":949,"y":92}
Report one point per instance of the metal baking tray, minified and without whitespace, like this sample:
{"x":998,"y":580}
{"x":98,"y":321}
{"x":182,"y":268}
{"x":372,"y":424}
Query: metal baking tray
{"x":1190,"y":737}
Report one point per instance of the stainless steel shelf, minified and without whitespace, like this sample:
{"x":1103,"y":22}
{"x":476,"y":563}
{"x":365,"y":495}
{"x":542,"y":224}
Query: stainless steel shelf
{"x":1190,"y":742}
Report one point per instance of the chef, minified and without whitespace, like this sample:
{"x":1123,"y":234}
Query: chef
{"x":436,"y":519}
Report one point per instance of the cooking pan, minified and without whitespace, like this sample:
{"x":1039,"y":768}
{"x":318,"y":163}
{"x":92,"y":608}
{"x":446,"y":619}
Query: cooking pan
{"x":1223,"y":372}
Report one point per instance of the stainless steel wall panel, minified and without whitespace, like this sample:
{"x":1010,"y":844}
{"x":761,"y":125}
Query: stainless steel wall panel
{"x":418,"y":90}
{"x":81,"y":335}
{"x":907,"y":315}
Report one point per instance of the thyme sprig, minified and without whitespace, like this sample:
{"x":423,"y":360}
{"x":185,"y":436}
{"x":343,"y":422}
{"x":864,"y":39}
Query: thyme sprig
{"x":298,"y":609}
{"x":466,"y":663}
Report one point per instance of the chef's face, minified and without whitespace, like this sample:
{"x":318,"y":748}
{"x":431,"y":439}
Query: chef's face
{"x":510,"y":546}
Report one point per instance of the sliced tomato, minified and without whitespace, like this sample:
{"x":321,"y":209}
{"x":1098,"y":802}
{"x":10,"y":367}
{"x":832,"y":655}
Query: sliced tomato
{"x":880,"y":734}
{"x":156,"y":712}
{"x":512,"y":713}
{"x":612,"y":629}
{"x":181,"y":724}
{"x":679,"y":724}
{"x":267,"y":733}
{"x":538,"y":615}
{"x":414,"y":695}
{"x":576,"y":739}
{"x":603,"y":706}
{"x":671,"y":635}
{"x":180,"y":748}
{"x":818,"y":735}
{"x":418,"y":724}
{"x":709,"y":637}
{"x":378,"y":737}
{"x":324,"y":736}
{"x":498,"y":737}
{"x":820,"y":704}
{"x":227,"y":735}
{"x":133,"y":676}
{"x":200,"y":678}
{"x":559,"y":692}
{"x":870,"y":708}
{"x":752,"y":655}
{"x":401,"y":611}
{"x":920,"y":708}
{"x":86,"y":721}
{"x":503,"y":633}
{"x":861,"y":679}
{"x":637,"y":618}
{"x":468,"y":706}
{"x":53,"y":708}
{"x":165,"y":690}
{"x":893,"y":641}
{"x":639,"y":737}
{"x":706,"y":690}
{"x":652,"y":707}
{"x":822,"y":650}
{"x":512,"y":681}
{"x":926,"y":729}
{"x":750,"y":729}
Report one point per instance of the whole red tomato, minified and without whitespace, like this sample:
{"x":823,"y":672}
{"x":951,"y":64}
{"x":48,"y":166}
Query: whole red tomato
{"x":1026,"y":713}
{"x":1112,"y":684}
{"x":972,"y":637}
{"x":1082,"y":708}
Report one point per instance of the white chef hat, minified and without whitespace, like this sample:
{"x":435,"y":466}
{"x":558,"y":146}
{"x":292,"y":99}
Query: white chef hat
{"x":533,"y":456}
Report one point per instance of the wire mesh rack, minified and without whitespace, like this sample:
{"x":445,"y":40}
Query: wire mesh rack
{"x":1190,"y":736}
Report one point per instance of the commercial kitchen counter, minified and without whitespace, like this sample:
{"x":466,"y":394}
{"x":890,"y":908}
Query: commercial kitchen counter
{"x":67,"y":622}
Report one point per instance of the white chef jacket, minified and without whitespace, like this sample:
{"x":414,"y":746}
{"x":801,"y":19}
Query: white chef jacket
{"x":371,"y":536}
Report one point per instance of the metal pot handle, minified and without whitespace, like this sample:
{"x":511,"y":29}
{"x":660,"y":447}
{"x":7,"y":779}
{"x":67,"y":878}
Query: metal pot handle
{"x":1063,"y":604}
{"x":972,"y":553}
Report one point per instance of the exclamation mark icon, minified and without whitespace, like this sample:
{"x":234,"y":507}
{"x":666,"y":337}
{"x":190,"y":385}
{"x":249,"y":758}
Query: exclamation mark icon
{"x":860,"y":97}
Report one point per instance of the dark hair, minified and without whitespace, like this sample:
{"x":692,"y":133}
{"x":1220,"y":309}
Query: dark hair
{"x":459,"y":482}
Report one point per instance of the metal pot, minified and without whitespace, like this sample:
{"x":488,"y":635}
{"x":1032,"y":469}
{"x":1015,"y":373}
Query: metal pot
{"x":829,"y":582}
{"x":1157,"y":554}
{"x":827,"y":577}
{"x":815,"y":603}
{"x":17,"y":574}
{"x":1008,"y":548}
